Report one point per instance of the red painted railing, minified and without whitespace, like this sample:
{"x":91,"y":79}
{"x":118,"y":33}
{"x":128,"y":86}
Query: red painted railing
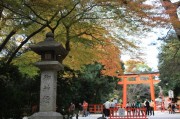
{"x":95,"y":108}
{"x":98,"y":108}
{"x":130,"y":113}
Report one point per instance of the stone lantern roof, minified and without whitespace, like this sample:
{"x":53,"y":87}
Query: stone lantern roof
{"x":49,"y":44}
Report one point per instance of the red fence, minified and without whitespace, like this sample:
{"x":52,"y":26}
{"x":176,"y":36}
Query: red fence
{"x":129,"y":113}
{"x":95,"y":108}
{"x":98,"y":108}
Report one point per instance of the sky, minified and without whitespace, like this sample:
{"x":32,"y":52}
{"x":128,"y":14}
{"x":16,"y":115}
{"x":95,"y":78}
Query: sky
{"x":173,"y":1}
{"x":150,"y":51}
{"x":150,"y":45}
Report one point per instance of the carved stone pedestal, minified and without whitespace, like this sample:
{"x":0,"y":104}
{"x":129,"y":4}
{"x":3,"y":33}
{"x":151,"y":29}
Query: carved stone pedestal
{"x":46,"y":115}
{"x":48,"y":91}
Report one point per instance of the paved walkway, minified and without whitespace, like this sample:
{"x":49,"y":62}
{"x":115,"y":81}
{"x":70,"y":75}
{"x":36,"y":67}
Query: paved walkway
{"x":164,"y":115}
{"x":158,"y":115}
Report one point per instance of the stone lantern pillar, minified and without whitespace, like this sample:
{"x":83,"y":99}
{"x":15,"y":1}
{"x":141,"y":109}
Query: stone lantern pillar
{"x":50,"y":51}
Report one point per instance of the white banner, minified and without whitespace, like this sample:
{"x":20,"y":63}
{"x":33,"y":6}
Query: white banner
{"x":171,"y":94}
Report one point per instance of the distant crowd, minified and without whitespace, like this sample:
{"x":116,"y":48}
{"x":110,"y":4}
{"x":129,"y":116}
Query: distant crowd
{"x":149,"y":105}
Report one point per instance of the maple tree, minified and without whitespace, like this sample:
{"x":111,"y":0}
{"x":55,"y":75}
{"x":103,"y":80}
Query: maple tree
{"x":110,"y":58}
{"x":82,"y":23}
{"x":68,"y":21}
{"x":80,"y":55}
{"x":171,"y":10}
{"x":136,"y":66}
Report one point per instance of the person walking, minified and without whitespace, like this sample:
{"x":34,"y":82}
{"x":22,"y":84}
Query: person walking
{"x":147,"y":105}
{"x":162,"y":106}
{"x":173,"y":108}
{"x":112,"y":107}
{"x":133,"y":107}
{"x":152,"y":107}
{"x":80,"y":109}
{"x":107,"y":105}
{"x":71,"y":110}
{"x":170,"y":108}
{"x":138,"y":106}
{"x":85,"y":106}
{"x":128,"y":105}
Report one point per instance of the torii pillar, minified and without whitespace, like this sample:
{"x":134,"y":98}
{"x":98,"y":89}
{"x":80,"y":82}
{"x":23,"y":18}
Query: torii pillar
{"x":124,"y":91}
{"x":138,"y":80}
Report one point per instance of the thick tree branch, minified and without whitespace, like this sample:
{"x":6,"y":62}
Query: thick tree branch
{"x":67,"y":38}
{"x":16,"y":12}
{"x":22,"y":43}
{"x":81,"y":15}
{"x":1,"y":10}
{"x":34,"y":12}
{"x":34,"y":33}
{"x":7,"y":39}
{"x":63,"y":16}
{"x":40,"y":29}
{"x":80,"y":34}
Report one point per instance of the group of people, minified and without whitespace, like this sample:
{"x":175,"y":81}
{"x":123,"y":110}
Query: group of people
{"x":135,"y":104}
{"x":82,"y":109}
{"x":171,"y":108}
{"x":148,"y":104}
{"x":107,"y":105}
{"x":149,"y":107}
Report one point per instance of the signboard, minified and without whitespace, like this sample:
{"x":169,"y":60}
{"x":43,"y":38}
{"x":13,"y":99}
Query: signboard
{"x":171,"y":94}
{"x":121,"y":112}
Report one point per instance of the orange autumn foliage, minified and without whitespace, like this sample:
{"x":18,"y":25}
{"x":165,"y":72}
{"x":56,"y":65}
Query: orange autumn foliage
{"x":171,"y":10}
{"x":110,"y":59}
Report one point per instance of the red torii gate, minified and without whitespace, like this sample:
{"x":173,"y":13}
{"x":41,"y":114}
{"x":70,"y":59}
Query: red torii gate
{"x":138,"y":80}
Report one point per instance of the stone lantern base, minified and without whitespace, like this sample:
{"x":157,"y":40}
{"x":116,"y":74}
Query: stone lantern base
{"x":46,"y":115}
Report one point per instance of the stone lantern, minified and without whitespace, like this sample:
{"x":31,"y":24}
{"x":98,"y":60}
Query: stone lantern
{"x":50,"y":51}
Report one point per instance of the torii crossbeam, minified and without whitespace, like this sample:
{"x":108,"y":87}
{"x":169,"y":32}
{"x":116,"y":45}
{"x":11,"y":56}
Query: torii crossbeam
{"x":138,"y":80}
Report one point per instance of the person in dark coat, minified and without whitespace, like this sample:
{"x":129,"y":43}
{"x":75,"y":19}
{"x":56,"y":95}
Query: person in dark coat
{"x":147,"y":105}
